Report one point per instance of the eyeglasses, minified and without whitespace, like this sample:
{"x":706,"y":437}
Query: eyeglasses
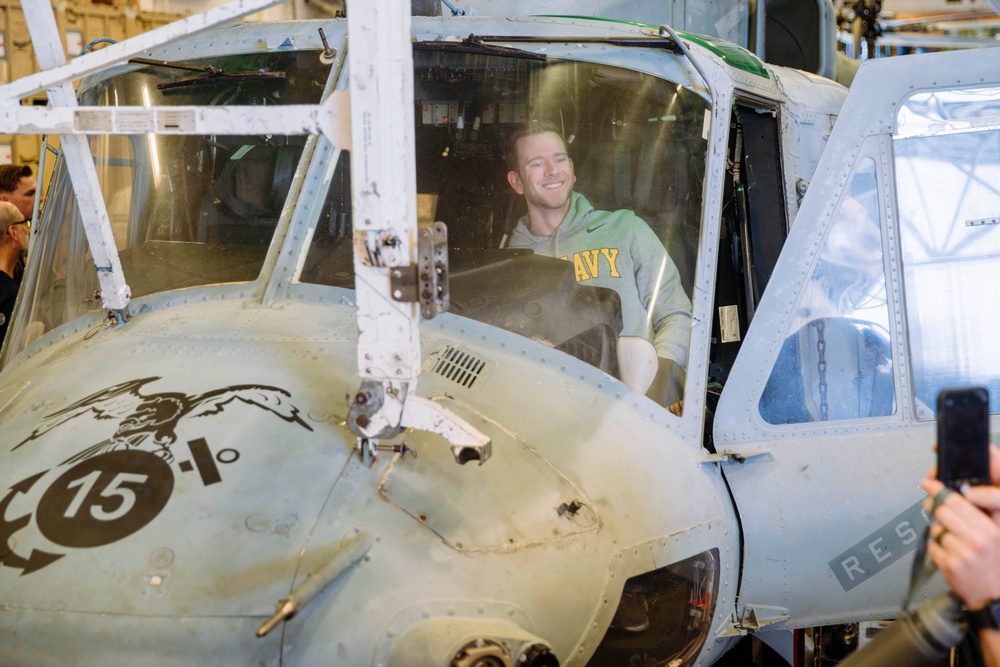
{"x":23,"y":222}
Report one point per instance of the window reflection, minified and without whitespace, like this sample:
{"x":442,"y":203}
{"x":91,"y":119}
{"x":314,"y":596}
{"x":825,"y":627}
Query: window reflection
{"x":948,"y":187}
{"x":948,"y":111}
{"x":837,"y":362}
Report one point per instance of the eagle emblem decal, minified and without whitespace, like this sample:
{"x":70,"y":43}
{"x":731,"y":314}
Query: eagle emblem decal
{"x":113,"y":488}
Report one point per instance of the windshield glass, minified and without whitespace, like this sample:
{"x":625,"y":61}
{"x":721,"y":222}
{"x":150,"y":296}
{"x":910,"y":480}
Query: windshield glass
{"x":185,"y":210}
{"x":572,"y":193}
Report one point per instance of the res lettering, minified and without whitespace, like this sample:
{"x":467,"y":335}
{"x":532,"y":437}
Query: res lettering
{"x":906,"y":532}
{"x":878,"y":550}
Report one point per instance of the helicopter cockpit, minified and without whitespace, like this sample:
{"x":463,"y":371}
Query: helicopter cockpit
{"x":636,"y":142}
{"x":191,"y":211}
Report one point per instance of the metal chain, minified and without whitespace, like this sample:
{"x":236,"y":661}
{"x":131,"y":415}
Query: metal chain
{"x":824,"y":406}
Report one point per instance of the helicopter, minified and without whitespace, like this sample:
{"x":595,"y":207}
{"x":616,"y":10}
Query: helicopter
{"x":276,"y":389}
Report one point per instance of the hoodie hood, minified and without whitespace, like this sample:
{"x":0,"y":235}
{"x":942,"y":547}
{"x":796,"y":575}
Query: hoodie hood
{"x":579,"y":212}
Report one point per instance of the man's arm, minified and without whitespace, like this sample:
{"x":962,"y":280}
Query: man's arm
{"x":966,"y":547}
{"x":668,"y":309}
{"x":668,"y":313}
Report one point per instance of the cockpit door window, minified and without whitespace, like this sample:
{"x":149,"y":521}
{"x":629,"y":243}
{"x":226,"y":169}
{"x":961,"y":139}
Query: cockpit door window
{"x":947,"y":155}
{"x":836,"y":361}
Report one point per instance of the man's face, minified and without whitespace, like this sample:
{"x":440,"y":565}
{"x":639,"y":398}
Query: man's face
{"x":18,"y":233}
{"x":23,"y":196}
{"x":544,"y":171}
{"x":22,"y":235}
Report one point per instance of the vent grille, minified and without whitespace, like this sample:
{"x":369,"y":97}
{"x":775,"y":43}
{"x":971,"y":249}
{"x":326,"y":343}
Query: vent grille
{"x":459,"y":366}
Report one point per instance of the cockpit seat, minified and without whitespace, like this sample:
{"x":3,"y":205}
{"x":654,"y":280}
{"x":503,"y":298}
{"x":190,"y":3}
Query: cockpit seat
{"x":244,"y":204}
{"x":651,"y":181}
{"x":607,"y":176}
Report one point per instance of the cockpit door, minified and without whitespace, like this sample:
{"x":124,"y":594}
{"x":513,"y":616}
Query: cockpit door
{"x":826,"y":421}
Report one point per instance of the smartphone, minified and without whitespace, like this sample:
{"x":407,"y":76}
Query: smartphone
{"x":963,"y":437}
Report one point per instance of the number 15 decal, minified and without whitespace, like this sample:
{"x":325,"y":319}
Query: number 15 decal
{"x":105,"y":498}
{"x":116,"y":488}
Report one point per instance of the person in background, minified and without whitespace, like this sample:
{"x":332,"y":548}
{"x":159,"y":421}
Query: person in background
{"x":966,"y":549}
{"x":14,"y":235}
{"x":615,"y":250}
{"x":17,"y":185}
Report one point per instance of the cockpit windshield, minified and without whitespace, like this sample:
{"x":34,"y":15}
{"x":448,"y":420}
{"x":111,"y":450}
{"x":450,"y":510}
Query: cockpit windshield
{"x":186,"y":210}
{"x":503,"y":142}
{"x":620,"y":154}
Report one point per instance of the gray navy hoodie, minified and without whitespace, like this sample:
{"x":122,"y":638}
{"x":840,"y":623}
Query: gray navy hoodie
{"x":616,"y":249}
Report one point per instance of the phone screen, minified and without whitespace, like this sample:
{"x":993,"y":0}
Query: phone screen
{"x":963,"y":436}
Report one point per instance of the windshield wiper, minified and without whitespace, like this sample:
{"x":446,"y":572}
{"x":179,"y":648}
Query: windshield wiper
{"x":640,"y":41}
{"x":208,"y":74}
{"x":473,"y":44}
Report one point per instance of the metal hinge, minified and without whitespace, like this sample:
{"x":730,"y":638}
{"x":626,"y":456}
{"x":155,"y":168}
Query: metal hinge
{"x":427,"y":281}
{"x":738,"y":457}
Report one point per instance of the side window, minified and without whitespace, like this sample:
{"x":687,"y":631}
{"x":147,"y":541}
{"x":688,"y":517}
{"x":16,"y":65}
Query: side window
{"x":835,"y":363}
{"x":948,"y":183}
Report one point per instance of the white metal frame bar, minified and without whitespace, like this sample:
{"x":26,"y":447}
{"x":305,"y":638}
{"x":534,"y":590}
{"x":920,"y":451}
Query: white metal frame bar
{"x":384,"y":200}
{"x":331,"y":118}
{"x":384,"y":183}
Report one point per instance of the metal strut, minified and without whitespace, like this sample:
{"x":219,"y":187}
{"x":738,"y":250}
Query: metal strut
{"x":400,"y":270}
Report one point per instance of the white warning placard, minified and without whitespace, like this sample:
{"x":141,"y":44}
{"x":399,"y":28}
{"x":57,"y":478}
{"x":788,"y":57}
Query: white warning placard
{"x":729,"y":323}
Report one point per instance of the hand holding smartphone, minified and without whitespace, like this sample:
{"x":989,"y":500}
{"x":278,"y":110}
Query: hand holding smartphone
{"x":963,"y":437}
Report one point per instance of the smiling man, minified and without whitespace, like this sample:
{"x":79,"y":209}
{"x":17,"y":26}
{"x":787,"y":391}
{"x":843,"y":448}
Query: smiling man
{"x":609,"y":249}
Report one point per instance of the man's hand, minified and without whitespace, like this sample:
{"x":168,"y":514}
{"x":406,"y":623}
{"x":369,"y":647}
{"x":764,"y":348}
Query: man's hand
{"x":668,"y":385}
{"x":966,"y":544}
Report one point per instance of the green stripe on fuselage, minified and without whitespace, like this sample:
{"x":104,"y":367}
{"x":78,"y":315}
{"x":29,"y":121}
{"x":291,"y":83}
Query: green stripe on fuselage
{"x":733,"y":55}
